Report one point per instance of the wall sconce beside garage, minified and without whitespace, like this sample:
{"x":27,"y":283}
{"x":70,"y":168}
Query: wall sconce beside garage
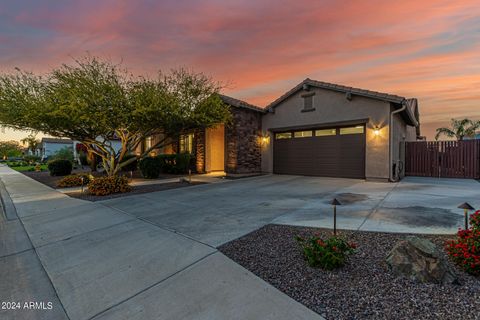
{"x":264,"y":139}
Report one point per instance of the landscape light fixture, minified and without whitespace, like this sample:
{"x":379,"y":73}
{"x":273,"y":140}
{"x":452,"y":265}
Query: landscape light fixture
{"x":335,"y":203}
{"x":466,"y":207}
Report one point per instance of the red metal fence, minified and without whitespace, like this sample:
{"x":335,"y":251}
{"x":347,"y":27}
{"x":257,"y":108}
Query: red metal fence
{"x":443,"y":159}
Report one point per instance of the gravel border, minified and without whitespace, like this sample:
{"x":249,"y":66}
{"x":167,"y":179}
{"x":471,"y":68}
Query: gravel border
{"x":135,"y":190}
{"x":362,"y":289}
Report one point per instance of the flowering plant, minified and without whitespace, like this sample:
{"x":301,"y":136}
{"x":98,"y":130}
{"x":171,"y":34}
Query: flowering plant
{"x":328,"y":254}
{"x":465,"y":250}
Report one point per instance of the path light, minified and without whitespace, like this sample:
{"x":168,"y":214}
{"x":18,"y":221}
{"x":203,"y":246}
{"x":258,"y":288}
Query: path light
{"x":335,"y":203}
{"x":81,"y":179}
{"x":466,"y":207}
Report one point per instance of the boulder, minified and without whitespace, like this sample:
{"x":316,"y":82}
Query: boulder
{"x":419,"y":259}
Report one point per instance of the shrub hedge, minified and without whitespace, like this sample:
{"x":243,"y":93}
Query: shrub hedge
{"x":60,"y":167}
{"x":103,"y":186}
{"x":150,"y":167}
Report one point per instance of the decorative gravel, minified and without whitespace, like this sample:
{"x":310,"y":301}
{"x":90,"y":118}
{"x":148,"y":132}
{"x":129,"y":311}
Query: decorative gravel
{"x":364,"y":288}
{"x":135,"y":190}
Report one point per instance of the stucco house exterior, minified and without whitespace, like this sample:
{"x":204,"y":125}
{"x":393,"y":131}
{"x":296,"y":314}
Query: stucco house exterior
{"x":49,"y":146}
{"x":316,"y":128}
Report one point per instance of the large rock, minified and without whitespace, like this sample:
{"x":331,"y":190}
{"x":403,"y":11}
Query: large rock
{"x":419,"y":259}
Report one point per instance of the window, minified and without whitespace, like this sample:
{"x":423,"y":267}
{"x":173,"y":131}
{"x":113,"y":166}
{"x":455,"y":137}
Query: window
{"x":148,"y":143}
{"x":302,"y":134}
{"x":352,"y":130}
{"x":325,"y":132}
{"x":186,"y":143}
{"x":283,"y":135}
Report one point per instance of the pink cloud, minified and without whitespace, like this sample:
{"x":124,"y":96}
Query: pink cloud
{"x":424,"y":49}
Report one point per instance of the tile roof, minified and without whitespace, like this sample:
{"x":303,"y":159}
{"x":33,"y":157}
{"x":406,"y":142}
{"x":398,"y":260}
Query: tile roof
{"x":240,"y":104}
{"x":336,"y":87}
{"x":56,"y":140}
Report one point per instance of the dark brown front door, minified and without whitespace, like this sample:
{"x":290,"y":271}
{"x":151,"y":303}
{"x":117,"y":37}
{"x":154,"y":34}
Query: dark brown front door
{"x":335,"y":152}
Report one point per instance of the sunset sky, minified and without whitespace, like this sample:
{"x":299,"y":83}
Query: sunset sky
{"x":425,"y":49}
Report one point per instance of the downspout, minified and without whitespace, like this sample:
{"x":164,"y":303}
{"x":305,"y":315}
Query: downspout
{"x":404,"y":106}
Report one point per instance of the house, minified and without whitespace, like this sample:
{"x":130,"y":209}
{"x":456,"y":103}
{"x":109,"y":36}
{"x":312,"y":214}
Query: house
{"x":49,"y":146}
{"x":316,"y":128}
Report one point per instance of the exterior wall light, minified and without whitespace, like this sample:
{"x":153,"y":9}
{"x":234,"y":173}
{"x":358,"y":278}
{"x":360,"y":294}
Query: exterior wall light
{"x":264,"y":139}
{"x":376,"y":131}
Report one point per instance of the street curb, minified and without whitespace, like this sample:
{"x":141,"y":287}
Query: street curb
{"x":8,"y":207}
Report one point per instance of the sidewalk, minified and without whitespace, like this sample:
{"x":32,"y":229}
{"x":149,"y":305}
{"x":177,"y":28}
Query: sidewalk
{"x":95,"y":262}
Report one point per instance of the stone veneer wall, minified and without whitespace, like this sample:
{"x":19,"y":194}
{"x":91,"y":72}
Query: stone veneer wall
{"x":243,"y":149}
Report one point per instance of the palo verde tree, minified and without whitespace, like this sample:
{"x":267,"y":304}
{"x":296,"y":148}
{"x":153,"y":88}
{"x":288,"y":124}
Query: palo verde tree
{"x":94,"y":101}
{"x":459,"y":129}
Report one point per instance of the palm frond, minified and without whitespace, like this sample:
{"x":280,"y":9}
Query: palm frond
{"x":445,"y":131}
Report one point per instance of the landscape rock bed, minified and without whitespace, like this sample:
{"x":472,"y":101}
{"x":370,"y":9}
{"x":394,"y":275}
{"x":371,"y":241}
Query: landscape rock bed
{"x":364,"y":288}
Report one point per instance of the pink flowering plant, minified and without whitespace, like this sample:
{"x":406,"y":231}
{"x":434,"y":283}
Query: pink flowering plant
{"x":465,"y":250}
{"x":328,"y":254}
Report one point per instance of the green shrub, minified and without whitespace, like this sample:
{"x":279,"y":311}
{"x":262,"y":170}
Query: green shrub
{"x":75,"y":180}
{"x":175,"y":163}
{"x":131,"y":166}
{"x":328,"y":254}
{"x":150,"y":167}
{"x":167,"y":162}
{"x":66,"y":153}
{"x":60,"y":167}
{"x":103,"y":186}
{"x":31,"y":159}
{"x":182,"y":162}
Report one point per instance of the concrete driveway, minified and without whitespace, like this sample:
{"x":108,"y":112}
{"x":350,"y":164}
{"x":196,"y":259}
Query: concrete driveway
{"x":217,"y":213}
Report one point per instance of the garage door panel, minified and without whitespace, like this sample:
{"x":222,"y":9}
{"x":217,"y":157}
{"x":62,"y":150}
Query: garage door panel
{"x":329,"y":156}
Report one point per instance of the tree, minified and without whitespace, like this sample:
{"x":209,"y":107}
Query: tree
{"x":32,"y":143}
{"x":94,"y":101}
{"x":459,"y":129}
{"x":10,"y":149}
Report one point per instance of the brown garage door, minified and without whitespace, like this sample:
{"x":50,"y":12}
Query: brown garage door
{"x":334,"y":152}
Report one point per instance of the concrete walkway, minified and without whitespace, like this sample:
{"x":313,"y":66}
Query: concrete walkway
{"x":90,"y":261}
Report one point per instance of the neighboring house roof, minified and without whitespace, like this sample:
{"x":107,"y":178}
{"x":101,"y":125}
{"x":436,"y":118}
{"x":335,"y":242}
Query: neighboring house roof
{"x":240,"y":104}
{"x":409,"y":115}
{"x":57,"y":140}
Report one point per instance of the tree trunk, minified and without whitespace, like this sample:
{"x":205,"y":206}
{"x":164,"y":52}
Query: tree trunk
{"x":92,"y":160}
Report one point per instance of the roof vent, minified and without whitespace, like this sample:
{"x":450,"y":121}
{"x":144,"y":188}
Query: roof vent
{"x":348,"y":95}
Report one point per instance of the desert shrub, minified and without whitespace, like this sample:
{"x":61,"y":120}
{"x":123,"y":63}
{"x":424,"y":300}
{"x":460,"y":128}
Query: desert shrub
{"x":103,"y":186}
{"x":66,"y":153}
{"x":131,"y":166}
{"x":150,"y":167}
{"x":329,"y":254}
{"x":31,"y":159}
{"x":60,"y":167}
{"x":75,"y":180}
{"x":465,"y":250}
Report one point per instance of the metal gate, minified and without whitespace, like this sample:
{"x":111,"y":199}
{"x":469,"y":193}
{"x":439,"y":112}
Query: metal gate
{"x":443,"y":159}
